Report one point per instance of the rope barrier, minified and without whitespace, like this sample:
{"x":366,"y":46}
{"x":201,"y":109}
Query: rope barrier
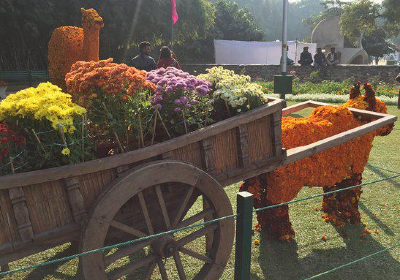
{"x":115,"y":246}
{"x":352,"y":262}
{"x":182,"y":229}
{"x":323,"y":194}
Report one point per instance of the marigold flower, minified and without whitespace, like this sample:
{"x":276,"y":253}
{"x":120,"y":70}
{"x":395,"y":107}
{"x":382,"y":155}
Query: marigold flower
{"x":256,"y":242}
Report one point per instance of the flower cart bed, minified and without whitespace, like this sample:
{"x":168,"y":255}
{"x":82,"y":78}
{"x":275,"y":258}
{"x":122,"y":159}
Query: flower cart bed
{"x":41,"y":209}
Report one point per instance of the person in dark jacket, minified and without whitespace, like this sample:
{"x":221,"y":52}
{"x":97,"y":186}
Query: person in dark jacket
{"x":319,"y":58}
{"x":166,"y":59}
{"x":144,"y":61}
{"x":305,"y":58}
{"x":320,"y":61}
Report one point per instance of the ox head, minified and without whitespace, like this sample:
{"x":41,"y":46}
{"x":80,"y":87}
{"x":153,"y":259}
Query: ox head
{"x":368,"y":102}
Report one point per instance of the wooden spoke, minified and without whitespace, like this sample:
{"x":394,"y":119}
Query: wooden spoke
{"x":127,"y":229}
{"x":163,"y":271}
{"x":126,"y":251}
{"x":163,"y":207}
{"x":197,"y":234}
{"x":195,"y":255}
{"x":183,"y":206}
{"x":130,"y":268}
{"x":196,"y":218}
{"x":210,"y":235}
{"x":149,"y":271}
{"x":145,"y":213}
{"x":179,"y":266}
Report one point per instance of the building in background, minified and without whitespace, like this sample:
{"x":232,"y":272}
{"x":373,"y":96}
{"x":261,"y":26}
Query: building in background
{"x":327,"y":34}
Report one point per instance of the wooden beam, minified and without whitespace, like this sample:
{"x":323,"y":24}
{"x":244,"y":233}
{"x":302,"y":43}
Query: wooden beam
{"x":298,"y":153}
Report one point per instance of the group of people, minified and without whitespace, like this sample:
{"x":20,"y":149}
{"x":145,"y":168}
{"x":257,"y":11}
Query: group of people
{"x":320,"y":60}
{"x":144,"y":61}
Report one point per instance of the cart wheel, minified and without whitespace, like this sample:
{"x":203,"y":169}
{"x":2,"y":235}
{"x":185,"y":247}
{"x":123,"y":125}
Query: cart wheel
{"x":151,"y":199}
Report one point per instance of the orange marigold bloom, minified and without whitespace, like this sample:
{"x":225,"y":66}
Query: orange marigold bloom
{"x":111,"y":78}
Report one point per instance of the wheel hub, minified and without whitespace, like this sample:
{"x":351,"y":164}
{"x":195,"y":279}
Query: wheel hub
{"x":165,"y":246}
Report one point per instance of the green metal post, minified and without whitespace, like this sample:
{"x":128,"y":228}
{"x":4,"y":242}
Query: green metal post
{"x":243,"y":235}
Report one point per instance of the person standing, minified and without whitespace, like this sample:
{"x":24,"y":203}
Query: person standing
{"x":144,"y":61}
{"x":166,"y":59}
{"x":333,"y":57}
{"x":305,"y":58}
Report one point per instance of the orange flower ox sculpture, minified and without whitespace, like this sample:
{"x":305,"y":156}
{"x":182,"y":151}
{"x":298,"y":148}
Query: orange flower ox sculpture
{"x":70,"y":44}
{"x":334,"y":169}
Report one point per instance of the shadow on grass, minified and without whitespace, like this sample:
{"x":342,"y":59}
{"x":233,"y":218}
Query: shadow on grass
{"x":384,"y":174}
{"x":43,"y":272}
{"x":280,"y":260}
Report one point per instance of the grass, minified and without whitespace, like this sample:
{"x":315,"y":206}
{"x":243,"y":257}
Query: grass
{"x":307,"y":255}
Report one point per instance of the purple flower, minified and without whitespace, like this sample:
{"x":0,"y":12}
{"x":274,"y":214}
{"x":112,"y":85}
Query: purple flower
{"x":157,"y":106}
{"x":178,"y":102}
{"x":188,"y":105}
{"x":177,"y":109}
{"x":194,"y":102}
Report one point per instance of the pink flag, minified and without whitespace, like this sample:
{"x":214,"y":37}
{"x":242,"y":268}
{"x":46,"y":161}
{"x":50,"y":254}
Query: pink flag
{"x":174,"y":13}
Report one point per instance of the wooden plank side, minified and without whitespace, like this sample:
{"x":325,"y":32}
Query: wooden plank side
{"x":48,"y":206}
{"x":8,"y":224}
{"x":260,"y":139}
{"x":51,"y":174}
{"x":189,"y":154}
{"x":225,"y":149}
{"x":91,"y":185}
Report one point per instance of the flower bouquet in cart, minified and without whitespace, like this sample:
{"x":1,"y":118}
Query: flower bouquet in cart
{"x":118,"y":101}
{"x":181,"y":103}
{"x":39,"y":128}
{"x":232,"y":93}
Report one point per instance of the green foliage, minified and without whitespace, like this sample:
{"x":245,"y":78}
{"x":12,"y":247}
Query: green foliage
{"x":376,"y":44}
{"x":364,"y":16}
{"x":26,"y":27}
{"x":358,"y":18}
{"x":233,"y":23}
{"x":268,"y":15}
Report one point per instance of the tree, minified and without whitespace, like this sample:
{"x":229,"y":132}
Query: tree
{"x":233,"y":23}
{"x":364,"y":17}
{"x":359,"y":18}
{"x":376,"y":44}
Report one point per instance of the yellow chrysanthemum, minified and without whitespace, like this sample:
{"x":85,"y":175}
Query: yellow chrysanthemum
{"x":45,"y":102}
{"x":66,"y":152}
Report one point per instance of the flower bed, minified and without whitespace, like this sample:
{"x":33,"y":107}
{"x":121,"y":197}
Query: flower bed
{"x":334,"y":89}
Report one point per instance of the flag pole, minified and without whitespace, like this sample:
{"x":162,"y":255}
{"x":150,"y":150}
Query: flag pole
{"x":284,"y":38}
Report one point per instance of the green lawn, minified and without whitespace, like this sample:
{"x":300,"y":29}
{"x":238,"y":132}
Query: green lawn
{"x":307,"y":254}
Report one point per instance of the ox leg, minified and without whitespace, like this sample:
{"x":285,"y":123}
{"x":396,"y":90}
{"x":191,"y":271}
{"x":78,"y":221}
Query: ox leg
{"x":342,"y":207}
{"x":276,"y":222}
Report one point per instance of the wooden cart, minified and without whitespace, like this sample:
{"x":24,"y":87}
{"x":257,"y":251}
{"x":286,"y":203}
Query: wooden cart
{"x":152,"y":190}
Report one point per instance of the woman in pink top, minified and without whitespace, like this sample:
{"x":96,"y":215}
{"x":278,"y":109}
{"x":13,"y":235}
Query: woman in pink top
{"x":166,"y":59}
